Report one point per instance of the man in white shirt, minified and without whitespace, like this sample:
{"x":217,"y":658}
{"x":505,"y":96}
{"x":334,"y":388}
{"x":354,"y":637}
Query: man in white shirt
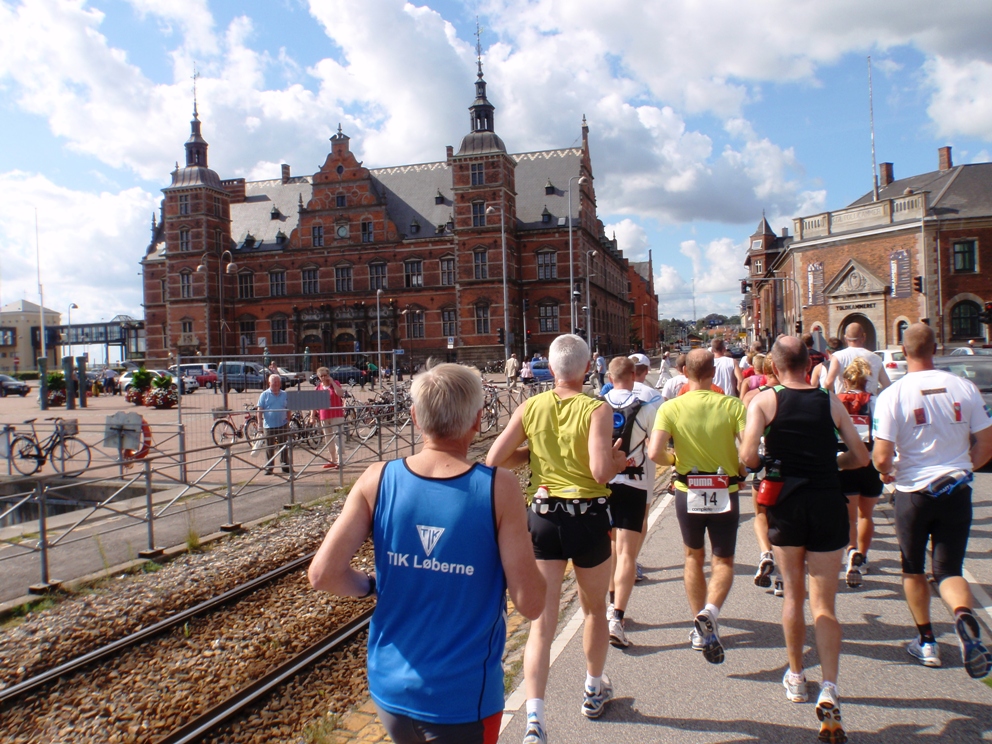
{"x":728,"y":375}
{"x":924,"y":427}
{"x":854,"y":337}
{"x":672,"y":387}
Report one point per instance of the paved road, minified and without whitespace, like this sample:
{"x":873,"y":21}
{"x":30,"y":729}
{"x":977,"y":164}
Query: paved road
{"x":667,"y":693}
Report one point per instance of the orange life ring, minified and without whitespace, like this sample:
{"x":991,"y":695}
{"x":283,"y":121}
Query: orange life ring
{"x":146,"y":443}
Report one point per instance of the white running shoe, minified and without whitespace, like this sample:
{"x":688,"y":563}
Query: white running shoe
{"x":618,"y":638}
{"x":609,"y":611}
{"x":854,"y":560}
{"x":795,"y":687}
{"x":696,"y":640}
{"x":928,"y":654}
{"x":535,"y":732}
{"x":594,"y":702}
{"x":828,"y":711}
{"x":706,"y":627}
{"x":779,"y":590}
{"x":766,"y":567}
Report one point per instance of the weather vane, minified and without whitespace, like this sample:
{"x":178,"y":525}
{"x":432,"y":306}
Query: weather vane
{"x":196,"y":74}
{"x":478,"y":44}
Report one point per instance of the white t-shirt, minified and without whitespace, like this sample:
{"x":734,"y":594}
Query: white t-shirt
{"x":724,"y":376}
{"x":673,"y":386}
{"x":638,"y":439}
{"x":845,"y":356}
{"x":930,"y":417}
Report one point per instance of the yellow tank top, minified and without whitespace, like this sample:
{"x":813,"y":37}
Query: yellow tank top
{"x":558,"y":436}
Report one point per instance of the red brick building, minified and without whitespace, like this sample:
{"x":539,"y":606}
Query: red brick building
{"x":298,"y":261}
{"x":921,"y":250}
{"x":644,"y":305}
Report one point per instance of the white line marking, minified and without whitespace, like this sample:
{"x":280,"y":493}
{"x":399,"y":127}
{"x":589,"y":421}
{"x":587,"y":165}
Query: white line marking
{"x":519,"y":695}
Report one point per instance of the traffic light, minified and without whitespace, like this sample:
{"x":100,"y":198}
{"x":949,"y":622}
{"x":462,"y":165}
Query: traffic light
{"x":799,"y":327}
{"x":501,"y":335}
{"x":526,"y":304}
{"x":745,"y":286}
{"x":986,"y":316}
{"x":529,"y":334}
{"x":918,"y":284}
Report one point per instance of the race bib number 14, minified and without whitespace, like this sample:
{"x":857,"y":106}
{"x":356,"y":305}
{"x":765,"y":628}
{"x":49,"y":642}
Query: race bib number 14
{"x":708,"y":494}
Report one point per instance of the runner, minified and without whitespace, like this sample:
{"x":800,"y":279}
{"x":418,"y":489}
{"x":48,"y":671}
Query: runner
{"x":863,"y":486}
{"x":807,"y":518}
{"x":728,"y":375}
{"x":817,"y":378}
{"x":672,"y":387}
{"x":704,"y":425}
{"x":571,"y":461}
{"x":447,"y":529}
{"x":629,"y":491}
{"x":651,"y":397}
{"x":854,"y":337}
{"x":599,"y":368}
{"x":924,"y":426}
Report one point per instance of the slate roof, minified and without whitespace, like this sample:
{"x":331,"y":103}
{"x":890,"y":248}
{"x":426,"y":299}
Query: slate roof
{"x":960,"y":192}
{"x":254,"y":214}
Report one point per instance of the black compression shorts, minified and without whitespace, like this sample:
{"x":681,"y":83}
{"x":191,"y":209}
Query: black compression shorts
{"x":627,"y":506}
{"x":811,"y":518}
{"x":560,"y":535}
{"x":946,"y":521}
{"x":722,"y":528}
{"x":405,"y":730}
{"x":861,"y":482}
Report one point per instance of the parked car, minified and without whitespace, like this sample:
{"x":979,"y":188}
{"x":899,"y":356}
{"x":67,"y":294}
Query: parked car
{"x":205,"y":374}
{"x":189,"y":383}
{"x":291,"y":379}
{"x":241,"y":376}
{"x":125,"y":379}
{"x":894,"y":362}
{"x":349,"y":374}
{"x":541,"y":370}
{"x":977,"y":368}
{"x":10,"y":386}
{"x":971,"y":351}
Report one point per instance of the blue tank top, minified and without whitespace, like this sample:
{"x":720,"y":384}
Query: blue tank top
{"x":435,"y":649}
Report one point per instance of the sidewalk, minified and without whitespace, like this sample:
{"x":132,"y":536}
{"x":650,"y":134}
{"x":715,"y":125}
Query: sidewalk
{"x":665,"y":692}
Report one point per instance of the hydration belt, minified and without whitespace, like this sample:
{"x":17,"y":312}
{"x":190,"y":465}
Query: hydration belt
{"x":574,"y":507}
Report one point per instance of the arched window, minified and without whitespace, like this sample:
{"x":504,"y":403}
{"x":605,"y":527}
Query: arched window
{"x":185,"y":284}
{"x":901,"y":327}
{"x":964,"y":320}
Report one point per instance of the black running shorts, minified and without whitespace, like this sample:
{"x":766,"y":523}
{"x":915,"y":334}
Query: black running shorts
{"x":947,"y":521}
{"x":560,"y":536}
{"x":722,"y":528}
{"x":812,"y":518}
{"x":405,"y":730}
{"x":861,"y":482}
{"x":627,"y":506}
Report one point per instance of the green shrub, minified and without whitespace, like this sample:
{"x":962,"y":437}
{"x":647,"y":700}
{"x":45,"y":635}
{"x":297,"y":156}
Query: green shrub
{"x":141,"y":379}
{"x":56,"y":381}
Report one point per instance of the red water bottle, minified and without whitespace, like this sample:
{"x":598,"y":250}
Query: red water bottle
{"x":771,"y":484}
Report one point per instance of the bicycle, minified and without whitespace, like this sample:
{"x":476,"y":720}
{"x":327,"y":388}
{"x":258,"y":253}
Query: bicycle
{"x":307,"y":433}
{"x":225,"y":433}
{"x":69,"y":455}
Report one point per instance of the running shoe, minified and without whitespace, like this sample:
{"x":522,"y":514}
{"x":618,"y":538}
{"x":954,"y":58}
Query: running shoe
{"x":928,"y":654}
{"x":779,"y":590}
{"x":766,"y":567}
{"x":594,"y":702}
{"x":696,"y":640}
{"x":639,"y":574}
{"x":854,"y":560}
{"x":535,"y":732}
{"x":795,"y":687}
{"x":618,"y":638}
{"x":707,"y":629}
{"x":609,"y":611}
{"x":864,"y":565}
{"x":977,"y":659}
{"x":828,"y":711}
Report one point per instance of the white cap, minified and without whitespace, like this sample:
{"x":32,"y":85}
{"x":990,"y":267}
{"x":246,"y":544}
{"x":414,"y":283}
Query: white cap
{"x":640,"y":360}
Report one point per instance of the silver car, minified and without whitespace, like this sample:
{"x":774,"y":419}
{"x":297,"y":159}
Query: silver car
{"x":894,"y":362}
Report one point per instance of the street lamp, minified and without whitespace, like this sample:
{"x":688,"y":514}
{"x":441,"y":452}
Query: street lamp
{"x":506,"y":301}
{"x":68,"y":335}
{"x":230,"y":269}
{"x":571,"y":263}
{"x":589,"y":255}
{"x":378,"y":333}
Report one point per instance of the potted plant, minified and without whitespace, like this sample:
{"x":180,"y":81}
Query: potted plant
{"x":56,"y":389}
{"x":163,"y":393}
{"x":141,"y":380}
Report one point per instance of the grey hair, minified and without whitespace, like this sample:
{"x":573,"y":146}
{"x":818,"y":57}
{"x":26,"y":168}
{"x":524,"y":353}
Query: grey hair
{"x":568,"y":357}
{"x":446,"y":399}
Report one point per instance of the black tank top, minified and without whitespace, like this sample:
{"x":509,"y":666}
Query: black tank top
{"x":802,"y":435}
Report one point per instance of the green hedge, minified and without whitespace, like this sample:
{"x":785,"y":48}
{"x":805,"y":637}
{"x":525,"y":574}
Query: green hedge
{"x":26,"y":376}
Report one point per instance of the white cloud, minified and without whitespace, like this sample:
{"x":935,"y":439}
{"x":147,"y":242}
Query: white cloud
{"x":961,"y":103}
{"x":90,"y":245}
{"x":631,"y":237}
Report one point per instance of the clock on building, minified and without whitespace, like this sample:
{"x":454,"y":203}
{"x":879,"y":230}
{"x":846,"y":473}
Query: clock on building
{"x":342,"y":231}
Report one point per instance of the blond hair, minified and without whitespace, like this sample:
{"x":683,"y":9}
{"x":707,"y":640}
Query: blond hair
{"x":323,"y":371}
{"x":446,"y":399}
{"x":857,"y":373}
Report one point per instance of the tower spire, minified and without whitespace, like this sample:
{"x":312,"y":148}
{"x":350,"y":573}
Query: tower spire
{"x":196,"y":146}
{"x":196,"y":74}
{"x":478,"y":46}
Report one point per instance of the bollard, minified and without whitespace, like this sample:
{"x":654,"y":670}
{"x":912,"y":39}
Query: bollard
{"x":152,"y":551}
{"x":231,"y":525}
{"x":70,"y":388}
{"x":43,"y":383}
{"x":81,"y":376}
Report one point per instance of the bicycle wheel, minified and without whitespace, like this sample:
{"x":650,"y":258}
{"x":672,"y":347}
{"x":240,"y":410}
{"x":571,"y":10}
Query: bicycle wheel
{"x":71,"y":456}
{"x":489,"y":414}
{"x":251,"y":430}
{"x":223,"y":433}
{"x":366,"y":422}
{"x":26,"y":455}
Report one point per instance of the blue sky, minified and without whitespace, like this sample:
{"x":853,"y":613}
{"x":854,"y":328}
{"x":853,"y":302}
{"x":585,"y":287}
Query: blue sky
{"x":702,"y":114}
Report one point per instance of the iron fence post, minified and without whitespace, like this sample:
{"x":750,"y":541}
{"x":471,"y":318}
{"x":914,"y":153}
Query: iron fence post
{"x":413,"y":438}
{"x":151,"y":551}
{"x":340,"y":435}
{"x":292,"y":470}
{"x":182,"y":453}
{"x":41,"y":497}
{"x":231,"y":525}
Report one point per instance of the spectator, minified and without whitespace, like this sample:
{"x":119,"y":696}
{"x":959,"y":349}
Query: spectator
{"x":466,"y":524}
{"x":512,"y":369}
{"x":273,"y":418}
{"x":330,"y":419}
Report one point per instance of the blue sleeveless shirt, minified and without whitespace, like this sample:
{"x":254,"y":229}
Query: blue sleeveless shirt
{"x":435,"y":649}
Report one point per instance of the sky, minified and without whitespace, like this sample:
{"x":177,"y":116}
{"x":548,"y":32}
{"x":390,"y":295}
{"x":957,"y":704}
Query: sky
{"x":703,"y":114}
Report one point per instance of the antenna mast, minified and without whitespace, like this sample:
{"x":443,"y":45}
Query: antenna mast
{"x":871,"y":119}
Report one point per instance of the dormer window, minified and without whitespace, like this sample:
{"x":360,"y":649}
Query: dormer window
{"x":549,"y":189}
{"x":275,"y":213}
{"x":439,"y":199}
{"x":280,"y":238}
{"x":546,"y":215}
{"x":414,"y":227}
{"x":340,"y":200}
{"x":249,"y":241}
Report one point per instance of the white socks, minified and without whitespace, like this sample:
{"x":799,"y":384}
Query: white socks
{"x":535,"y":708}
{"x":594,"y":683}
{"x":713,"y":610}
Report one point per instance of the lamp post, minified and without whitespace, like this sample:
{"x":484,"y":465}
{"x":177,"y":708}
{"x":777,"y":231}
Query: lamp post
{"x":589,"y":256}
{"x":571,"y":263}
{"x":230,"y":269}
{"x":378,"y":334}
{"x":506,"y":301}
{"x":68,"y":335}
{"x":644,"y":314}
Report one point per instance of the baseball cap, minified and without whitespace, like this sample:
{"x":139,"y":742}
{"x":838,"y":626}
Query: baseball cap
{"x":640,"y":360}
